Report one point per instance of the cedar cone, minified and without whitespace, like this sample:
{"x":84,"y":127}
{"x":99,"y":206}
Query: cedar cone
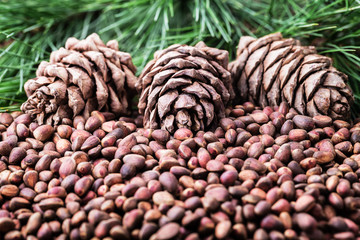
{"x":185,"y":87}
{"x":271,"y":69}
{"x":84,"y":76}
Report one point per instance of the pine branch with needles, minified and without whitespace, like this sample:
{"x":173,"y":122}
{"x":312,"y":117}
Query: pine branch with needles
{"x":30,"y":30}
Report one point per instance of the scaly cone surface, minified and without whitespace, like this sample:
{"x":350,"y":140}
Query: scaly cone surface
{"x":272,"y":69}
{"x":185,"y":87}
{"x":84,"y":76}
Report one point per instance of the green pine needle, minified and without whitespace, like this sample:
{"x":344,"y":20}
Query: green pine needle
{"x":30,"y":30}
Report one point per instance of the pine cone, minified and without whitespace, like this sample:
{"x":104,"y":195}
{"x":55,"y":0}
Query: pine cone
{"x":271,"y":69}
{"x":84,"y":76}
{"x":185,"y":87}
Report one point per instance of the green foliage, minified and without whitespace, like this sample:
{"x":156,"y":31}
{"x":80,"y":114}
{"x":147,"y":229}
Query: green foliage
{"x":30,"y":30}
